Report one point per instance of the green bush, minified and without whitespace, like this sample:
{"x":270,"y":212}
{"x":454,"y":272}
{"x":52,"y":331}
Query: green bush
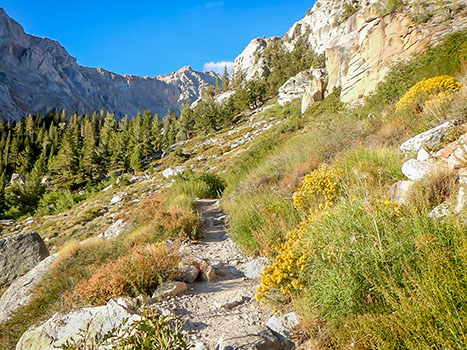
{"x":199,"y":185}
{"x":57,"y":201}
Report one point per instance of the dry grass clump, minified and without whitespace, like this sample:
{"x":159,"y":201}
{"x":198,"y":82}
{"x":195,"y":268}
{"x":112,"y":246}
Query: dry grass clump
{"x":139,"y":272}
{"x":165,"y":218}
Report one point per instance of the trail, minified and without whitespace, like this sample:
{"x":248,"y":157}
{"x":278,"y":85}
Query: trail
{"x":222,"y":312}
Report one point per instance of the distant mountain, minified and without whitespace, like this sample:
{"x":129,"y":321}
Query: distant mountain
{"x":38,"y":74}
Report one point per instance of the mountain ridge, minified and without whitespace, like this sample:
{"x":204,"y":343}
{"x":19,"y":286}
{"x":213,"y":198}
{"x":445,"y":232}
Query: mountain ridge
{"x":38,"y":75}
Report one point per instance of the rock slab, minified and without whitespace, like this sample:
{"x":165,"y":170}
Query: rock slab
{"x":19,"y":292}
{"x":19,"y":254}
{"x":84,"y":325}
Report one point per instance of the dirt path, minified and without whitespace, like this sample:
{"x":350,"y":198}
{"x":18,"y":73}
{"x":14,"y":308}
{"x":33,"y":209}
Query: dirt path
{"x":223,"y":312}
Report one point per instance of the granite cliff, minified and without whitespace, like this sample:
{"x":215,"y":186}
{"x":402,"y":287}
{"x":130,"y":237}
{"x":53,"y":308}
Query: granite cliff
{"x":361,"y":40}
{"x":38,"y":74}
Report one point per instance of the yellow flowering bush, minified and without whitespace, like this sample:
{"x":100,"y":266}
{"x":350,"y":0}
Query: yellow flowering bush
{"x":318,"y":190}
{"x":437,"y":88}
{"x":320,"y":186}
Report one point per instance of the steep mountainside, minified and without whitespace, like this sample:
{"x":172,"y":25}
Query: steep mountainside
{"x":38,"y":74}
{"x":361,"y":39}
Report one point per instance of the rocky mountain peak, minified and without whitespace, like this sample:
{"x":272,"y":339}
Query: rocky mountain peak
{"x":38,"y":75}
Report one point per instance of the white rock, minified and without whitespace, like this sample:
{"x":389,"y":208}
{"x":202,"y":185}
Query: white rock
{"x":440,"y":211}
{"x":90,"y":322}
{"x":114,"y":230}
{"x":461,"y":200}
{"x":401,"y":191}
{"x":116,"y":199}
{"x":107,"y":188}
{"x":426,"y":139}
{"x":17,"y":179}
{"x":254,"y":268}
{"x":19,"y":292}
{"x":170,"y":172}
{"x":282,"y":327}
{"x":423,"y":155}
{"x":416,"y":170}
{"x":169,"y":289}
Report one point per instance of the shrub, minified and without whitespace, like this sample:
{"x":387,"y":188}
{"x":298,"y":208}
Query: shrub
{"x":318,"y":190}
{"x":56,"y":202}
{"x":139,"y":272}
{"x":440,"y":87}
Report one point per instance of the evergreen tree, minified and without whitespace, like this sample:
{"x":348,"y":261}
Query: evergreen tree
{"x":225,"y":79}
{"x":135,"y":159}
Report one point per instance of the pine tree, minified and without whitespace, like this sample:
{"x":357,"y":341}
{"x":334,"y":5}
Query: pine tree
{"x":225,"y":79}
{"x":89,"y":161}
{"x":135,"y":159}
{"x":66,"y":163}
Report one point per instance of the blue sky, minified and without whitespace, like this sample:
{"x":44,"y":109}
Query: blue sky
{"x":154,"y":37}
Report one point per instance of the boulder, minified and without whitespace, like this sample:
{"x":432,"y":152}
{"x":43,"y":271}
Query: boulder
{"x":19,"y":254}
{"x":416,"y":170}
{"x":294,"y":87}
{"x":188,"y":272}
{"x":207,"y":271}
{"x":315,"y":88}
{"x":282,"y":327}
{"x":169,"y":289}
{"x":170,"y":172}
{"x":19,"y":292}
{"x":17,"y":179}
{"x":427,"y":139}
{"x":254,"y":268}
{"x":232,"y":303}
{"x":114,"y":230}
{"x":83,"y":325}
{"x":264,"y":340}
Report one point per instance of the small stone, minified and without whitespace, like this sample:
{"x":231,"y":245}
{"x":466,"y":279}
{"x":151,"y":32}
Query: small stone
{"x":188,"y":272}
{"x":116,"y":199}
{"x":264,"y":340}
{"x":207,"y":271}
{"x":440,"y":211}
{"x":416,"y":170}
{"x":170,"y":172}
{"x":282,"y":327}
{"x":461,"y":200}
{"x":169,"y":289}
{"x":401,"y":191}
{"x":114,"y":230}
{"x":255,"y":268}
{"x":17,"y":179}
{"x":230,"y":304}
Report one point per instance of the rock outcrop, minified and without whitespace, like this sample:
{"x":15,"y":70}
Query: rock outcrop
{"x":360,"y":48}
{"x":435,"y":155}
{"x":19,"y":254}
{"x":19,"y":292}
{"x":83,"y":326}
{"x":38,"y":74}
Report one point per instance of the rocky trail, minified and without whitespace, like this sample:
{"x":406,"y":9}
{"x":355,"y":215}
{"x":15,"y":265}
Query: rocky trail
{"x":221,"y":313}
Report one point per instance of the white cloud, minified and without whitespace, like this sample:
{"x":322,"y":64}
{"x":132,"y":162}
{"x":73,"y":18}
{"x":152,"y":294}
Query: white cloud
{"x":212,"y":4}
{"x":218,"y":67}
